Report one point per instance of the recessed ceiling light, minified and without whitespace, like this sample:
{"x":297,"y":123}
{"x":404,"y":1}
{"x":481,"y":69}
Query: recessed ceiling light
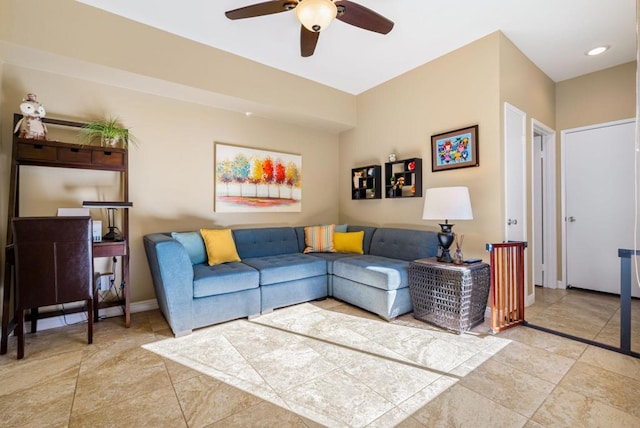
{"x":597,"y":51}
{"x":248,"y":113}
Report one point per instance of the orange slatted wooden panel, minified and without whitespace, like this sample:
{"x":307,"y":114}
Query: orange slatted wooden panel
{"x":507,"y":284}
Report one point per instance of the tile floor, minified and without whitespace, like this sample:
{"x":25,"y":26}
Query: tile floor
{"x":585,"y":314}
{"x":520,"y":377}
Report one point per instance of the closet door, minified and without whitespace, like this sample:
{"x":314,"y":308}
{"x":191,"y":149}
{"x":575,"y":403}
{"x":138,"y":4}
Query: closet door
{"x":599,"y":203}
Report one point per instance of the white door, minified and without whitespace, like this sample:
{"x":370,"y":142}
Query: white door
{"x":599,"y":203}
{"x":515,"y":182}
{"x":515,"y":170}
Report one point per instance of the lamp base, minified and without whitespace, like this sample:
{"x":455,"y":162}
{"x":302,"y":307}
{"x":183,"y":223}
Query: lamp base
{"x":112,"y":235}
{"x":445,"y":238}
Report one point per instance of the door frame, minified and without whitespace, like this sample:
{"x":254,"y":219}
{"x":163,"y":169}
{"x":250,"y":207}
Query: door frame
{"x":549,"y":201}
{"x":563,"y":185}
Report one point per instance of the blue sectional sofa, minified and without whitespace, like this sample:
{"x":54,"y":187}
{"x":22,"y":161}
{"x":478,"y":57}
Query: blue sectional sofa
{"x":273,"y":272}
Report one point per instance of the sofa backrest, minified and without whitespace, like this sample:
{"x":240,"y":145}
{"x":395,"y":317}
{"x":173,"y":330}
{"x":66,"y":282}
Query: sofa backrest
{"x":265,"y":241}
{"x":404,"y":244}
{"x":366,"y":242}
{"x":368,"y":234}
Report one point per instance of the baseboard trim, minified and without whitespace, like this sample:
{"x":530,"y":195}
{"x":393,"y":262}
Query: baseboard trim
{"x":80,"y":317}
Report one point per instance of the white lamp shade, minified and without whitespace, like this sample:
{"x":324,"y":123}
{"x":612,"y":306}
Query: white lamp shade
{"x":447,"y":203}
{"x":316,"y":15}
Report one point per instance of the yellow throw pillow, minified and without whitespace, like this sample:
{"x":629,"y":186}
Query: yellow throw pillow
{"x":221,"y":248}
{"x":319,"y":239}
{"x":349,"y":242}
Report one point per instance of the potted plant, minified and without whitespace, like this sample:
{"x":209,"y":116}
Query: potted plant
{"x":109,"y":132}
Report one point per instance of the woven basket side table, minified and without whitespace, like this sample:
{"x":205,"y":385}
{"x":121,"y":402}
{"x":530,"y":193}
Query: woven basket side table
{"x":449,"y":296}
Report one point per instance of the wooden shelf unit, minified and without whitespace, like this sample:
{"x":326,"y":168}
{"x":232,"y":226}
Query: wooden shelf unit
{"x":407,"y":171}
{"x":366,"y":182}
{"x":65,"y":155}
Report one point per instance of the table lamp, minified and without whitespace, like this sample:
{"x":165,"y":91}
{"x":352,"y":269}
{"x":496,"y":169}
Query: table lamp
{"x":448,"y":203}
{"x":111,"y":207}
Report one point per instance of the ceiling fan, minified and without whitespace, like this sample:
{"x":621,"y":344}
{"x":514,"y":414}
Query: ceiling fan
{"x":315,"y":16}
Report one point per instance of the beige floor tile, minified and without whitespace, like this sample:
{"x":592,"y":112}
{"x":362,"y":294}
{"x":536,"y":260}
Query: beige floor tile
{"x":426,"y":349}
{"x":461,"y":407}
{"x":269,"y":415}
{"x":251,"y":339}
{"x":393,"y":380}
{"x":158,"y":408}
{"x":612,"y":361}
{"x":512,"y":388}
{"x":205,"y":400}
{"x":428,"y":394}
{"x":612,"y":389}
{"x":565,"y":408}
{"x":337,"y":396}
{"x":535,"y":361}
{"x":395,"y":418}
{"x":35,"y":372}
{"x":538,"y":339}
{"x":40,"y":392}
{"x":291,"y":366}
{"x":109,"y":376}
{"x":179,"y":372}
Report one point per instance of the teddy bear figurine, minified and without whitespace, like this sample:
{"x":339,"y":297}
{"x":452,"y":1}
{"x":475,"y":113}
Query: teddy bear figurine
{"x":31,"y":125}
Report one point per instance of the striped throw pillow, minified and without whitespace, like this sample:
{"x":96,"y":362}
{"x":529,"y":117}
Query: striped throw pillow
{"x":319,"y":239}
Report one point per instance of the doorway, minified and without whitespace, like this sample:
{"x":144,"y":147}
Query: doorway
{"x":543,"y":188}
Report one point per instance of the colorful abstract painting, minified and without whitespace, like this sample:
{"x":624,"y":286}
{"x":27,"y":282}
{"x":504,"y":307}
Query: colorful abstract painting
{"x":255,"y":180}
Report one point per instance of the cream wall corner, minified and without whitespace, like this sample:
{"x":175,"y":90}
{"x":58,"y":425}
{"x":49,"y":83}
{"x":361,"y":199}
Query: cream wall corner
{"x":457,"y":90}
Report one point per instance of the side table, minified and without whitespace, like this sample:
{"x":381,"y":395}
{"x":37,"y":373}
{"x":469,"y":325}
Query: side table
{"x":450,"y":296}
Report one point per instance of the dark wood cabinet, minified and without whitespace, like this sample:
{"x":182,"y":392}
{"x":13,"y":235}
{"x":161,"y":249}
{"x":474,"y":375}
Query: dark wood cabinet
{"x":58,"y":154}
{"x":403,"y":178}
{"x":366,"y":182}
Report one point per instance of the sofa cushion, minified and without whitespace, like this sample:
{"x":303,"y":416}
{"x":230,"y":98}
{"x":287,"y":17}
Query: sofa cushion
{"x":193,"y":243}
{"x":404,"y":244}
{"x":223,"y":278}
{"x":341,"y":228}
{"x":368,"y":234}
{"x":265,"y":241}
{"x":330,"y":258}
{"x":380,"y":272}
{"x":220,"y":246}
{"x":319,"y":239}
{"x":287,"y":267}
{"x":349,"y":242}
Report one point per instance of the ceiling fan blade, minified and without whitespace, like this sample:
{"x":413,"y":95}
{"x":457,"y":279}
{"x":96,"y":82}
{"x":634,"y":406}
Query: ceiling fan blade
{"x":259,"y":9}
{"x":308,"y":41}
{"x":360,"y":16}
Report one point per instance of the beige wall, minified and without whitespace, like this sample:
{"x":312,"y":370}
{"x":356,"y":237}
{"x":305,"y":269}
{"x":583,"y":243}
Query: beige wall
{"x":599,"y":97}
{"x":525,"y":86}
{"x":177,"y":105}
{"x":401,"y":115}
{"x":171,"y":172}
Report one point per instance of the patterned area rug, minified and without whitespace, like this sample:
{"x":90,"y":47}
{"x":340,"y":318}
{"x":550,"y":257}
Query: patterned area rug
{"x":333,"y":363}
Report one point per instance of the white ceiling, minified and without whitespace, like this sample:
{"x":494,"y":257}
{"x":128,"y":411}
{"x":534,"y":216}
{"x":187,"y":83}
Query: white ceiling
{"x":554,"y":34}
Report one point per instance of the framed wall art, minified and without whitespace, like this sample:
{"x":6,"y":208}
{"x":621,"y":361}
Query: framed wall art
{"x":256,"y":180}
{"x":455,"y":149}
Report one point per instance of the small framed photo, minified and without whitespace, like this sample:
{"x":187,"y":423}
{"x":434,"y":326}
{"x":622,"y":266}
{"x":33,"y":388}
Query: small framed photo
{"x":455,"y":149}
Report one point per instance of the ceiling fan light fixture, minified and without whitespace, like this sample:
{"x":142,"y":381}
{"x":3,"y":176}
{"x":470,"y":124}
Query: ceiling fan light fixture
{"x":316,"y":15}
